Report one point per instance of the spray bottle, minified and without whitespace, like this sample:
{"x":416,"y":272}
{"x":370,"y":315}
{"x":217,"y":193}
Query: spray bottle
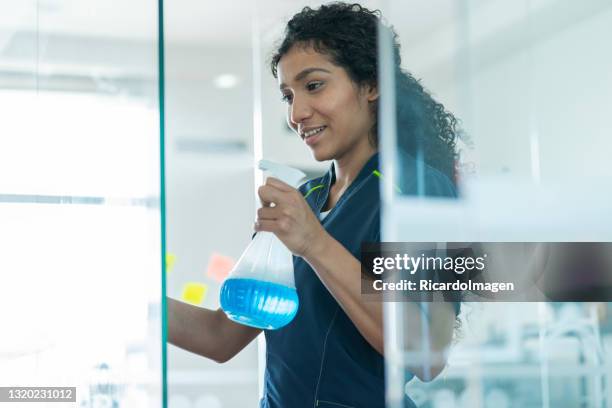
{"x":260,"y":290}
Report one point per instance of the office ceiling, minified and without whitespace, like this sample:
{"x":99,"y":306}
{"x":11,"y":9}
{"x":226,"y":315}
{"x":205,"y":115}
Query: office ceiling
{"x":203,"y":22}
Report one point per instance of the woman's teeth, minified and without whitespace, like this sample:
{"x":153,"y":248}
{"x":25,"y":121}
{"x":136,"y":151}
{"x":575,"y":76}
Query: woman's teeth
{"x":313,"y":132}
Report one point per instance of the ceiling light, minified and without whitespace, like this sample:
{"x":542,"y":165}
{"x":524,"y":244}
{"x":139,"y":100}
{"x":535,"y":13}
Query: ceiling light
{"x":225,"y":81}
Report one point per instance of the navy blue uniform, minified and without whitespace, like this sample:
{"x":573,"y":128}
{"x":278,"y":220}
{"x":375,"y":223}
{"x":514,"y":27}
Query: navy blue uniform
{"x":320,"y":359}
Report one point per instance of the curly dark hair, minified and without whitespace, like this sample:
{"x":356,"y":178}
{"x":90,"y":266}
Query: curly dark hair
{"x":347,"y":33}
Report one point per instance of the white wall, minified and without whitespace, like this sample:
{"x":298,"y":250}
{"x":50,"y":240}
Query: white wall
{"x":513,"y":70}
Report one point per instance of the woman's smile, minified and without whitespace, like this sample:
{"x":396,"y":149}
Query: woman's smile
{"x":313,"y":135}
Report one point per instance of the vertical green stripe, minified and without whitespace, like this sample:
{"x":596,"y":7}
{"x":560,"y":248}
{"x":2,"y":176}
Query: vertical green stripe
{"x":162,"y":201}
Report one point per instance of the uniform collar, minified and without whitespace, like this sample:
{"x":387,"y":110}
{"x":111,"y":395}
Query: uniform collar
{"x":329,"y":178}
{"x":366,"y":170}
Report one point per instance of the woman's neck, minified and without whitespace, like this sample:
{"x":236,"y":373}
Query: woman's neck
{"x":348,"y":166}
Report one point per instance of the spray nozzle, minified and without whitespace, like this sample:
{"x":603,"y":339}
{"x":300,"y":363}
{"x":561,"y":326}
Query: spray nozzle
{"x":287,"y":174}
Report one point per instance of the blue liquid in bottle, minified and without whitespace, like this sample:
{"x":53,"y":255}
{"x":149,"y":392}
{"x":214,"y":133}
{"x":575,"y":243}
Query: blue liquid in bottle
{"x":260,"y":304}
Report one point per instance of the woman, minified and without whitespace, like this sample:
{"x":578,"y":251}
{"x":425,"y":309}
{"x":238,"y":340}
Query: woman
{"x":331,"y":354}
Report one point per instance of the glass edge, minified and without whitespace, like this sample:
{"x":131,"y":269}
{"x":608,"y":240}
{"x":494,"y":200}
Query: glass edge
{"x":162,"y":201}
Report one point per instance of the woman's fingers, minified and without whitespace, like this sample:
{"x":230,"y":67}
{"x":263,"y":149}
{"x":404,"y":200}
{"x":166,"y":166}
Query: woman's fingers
{"x":266,"y":225}
{"x":268,"y":213}
{"x":281,"y":185}
{"x":287,"y":215}
{"x":269,"y":194}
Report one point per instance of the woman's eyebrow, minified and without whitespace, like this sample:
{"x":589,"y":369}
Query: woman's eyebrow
{"x":304,"y":73}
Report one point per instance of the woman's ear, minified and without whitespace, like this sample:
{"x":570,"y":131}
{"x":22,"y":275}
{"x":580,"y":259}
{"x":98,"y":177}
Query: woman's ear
{"x":372,"y":93}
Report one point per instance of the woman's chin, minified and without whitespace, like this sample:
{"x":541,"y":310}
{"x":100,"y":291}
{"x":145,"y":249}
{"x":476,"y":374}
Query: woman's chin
{"x":320,"y":155}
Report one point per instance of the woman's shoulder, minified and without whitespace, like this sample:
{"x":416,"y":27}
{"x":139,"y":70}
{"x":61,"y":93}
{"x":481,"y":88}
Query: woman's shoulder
{"x":419,"y":178}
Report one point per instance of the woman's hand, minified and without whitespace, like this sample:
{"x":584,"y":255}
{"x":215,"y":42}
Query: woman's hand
{"x":289,"y":217}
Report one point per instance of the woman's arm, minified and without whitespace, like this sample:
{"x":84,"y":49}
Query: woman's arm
{"x":340,"y":272}
{"x":206,"y":332}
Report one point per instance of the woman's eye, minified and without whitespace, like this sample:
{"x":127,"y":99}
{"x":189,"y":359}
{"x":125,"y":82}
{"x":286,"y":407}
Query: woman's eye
{"x":287,"y":98}
{"x":312,"y":86}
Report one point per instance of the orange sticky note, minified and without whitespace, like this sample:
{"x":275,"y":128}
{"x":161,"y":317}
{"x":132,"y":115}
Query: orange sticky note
{"x":219,"y":266}
{"x":194,"y":292}
{"x":170,"y":259}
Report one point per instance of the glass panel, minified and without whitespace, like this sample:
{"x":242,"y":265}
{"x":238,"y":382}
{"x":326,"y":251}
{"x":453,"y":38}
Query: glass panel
{"x":80,"y":200}
{"x":529,"y":85}
{"x":210,"y":193}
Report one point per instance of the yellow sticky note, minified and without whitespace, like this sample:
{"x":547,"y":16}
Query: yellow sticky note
{"x":170,"y":259}
{"x":194,"y":292}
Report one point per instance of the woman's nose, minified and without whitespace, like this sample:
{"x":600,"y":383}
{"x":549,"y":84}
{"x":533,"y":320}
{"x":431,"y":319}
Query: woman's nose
{"x":300,"y":111}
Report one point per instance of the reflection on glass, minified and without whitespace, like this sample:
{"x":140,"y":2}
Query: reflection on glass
{"x":527,"y":81}
{"x":427,"y":134}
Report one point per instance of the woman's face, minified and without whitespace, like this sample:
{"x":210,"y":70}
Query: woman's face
{"x":325,"y":107}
